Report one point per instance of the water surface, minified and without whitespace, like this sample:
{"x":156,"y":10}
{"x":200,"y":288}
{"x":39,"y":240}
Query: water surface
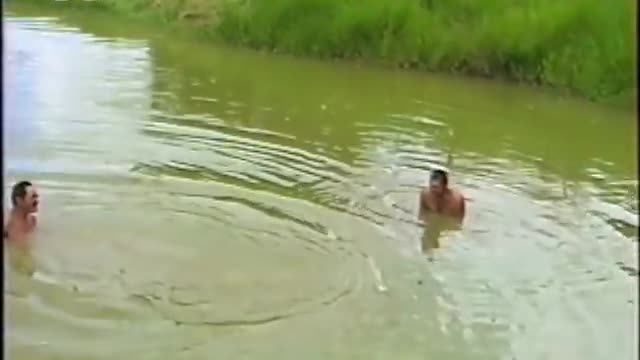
{"x":205,"y":202}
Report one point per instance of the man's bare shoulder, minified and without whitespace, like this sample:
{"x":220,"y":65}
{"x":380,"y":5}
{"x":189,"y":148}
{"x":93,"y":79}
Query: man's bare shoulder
{"x":455,"y":194}
{"x":425,"y":194}
{"x":459,"y":199}
{"x":16,"y":226}
{"x":426,"y":198}
{"x":9,"y":223}
{"x":9,"y":227}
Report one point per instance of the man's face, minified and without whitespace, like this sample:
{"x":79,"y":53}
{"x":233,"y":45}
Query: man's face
{"x":437,"y":188}
{"x":30,"y":201}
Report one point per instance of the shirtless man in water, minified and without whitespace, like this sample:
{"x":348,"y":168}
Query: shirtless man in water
{"x":440,"y":199}
{"x":441,"y":209}
{"x":22,"y":217}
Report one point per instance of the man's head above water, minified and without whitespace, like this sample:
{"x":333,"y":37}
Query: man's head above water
{"x":24,"y":197}
{"x":438,"y":182}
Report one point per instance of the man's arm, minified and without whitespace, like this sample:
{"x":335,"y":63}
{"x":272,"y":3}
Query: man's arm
{"x":422,"y":209}
{"x":7,"y":227}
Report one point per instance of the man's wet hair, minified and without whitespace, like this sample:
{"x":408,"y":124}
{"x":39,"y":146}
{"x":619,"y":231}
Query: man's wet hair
{"x":439,"y":175}
{"x":19,"y":191}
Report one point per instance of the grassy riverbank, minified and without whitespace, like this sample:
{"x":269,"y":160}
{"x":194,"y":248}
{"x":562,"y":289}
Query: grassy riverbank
{"x":584,"y":46}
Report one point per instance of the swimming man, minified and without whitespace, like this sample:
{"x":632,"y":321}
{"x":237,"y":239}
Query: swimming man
{"x":438,"y":198}
{"x":22,"y":217}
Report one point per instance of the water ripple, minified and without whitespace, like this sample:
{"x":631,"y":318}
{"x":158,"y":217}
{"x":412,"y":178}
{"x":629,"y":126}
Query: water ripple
{"x":198,"y":202}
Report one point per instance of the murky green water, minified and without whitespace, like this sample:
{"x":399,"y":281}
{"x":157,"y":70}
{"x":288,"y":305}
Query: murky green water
{"x":207,"y":203}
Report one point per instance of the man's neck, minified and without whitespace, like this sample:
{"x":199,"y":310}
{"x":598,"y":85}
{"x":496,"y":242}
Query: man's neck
{"x":22,"y":214}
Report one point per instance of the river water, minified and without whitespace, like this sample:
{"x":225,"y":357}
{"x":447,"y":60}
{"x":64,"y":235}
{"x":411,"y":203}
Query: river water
{"x":203,"y":202}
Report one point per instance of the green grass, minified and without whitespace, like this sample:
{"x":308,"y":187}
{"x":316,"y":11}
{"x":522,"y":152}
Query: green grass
{"x":587,"y":47}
